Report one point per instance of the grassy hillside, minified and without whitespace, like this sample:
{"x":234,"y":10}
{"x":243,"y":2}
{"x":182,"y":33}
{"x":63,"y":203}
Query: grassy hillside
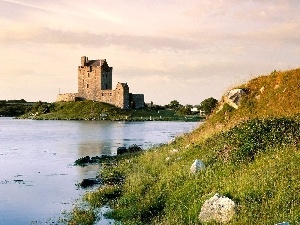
{"x":251,"y":155}
{"x":274,"y":95}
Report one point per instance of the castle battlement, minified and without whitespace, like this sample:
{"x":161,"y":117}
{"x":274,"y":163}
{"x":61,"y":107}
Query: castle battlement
{"x":95,"y":83}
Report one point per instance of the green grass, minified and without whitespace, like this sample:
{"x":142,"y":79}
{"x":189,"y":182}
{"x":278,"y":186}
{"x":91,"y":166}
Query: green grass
{"x":163,"y":192}
{"x":90,"y":110}
{"x":85,"y":110}
{"x":252,"y":155}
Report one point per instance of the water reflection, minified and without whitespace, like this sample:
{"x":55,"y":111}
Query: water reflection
{"x":103,"y":138}
{"x":36,"y":160}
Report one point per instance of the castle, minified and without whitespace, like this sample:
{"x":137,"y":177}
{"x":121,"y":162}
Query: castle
{"x":95,"y":83}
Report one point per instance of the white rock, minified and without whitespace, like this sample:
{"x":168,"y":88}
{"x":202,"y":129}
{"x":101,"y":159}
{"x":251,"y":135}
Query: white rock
{"x":218,"y":208}
{"x":233,"y":97}
{"x":262,"y":89}
{"x":174,"y":150}
{"x":197,"y":166}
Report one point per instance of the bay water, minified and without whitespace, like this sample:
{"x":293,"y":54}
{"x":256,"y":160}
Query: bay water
{"x":37,"y":173}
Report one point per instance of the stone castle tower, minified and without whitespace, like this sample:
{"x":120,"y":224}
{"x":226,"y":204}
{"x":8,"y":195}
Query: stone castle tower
{"x":95,"y":83}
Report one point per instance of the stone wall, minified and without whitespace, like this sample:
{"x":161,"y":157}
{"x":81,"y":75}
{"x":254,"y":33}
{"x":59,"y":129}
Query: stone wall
{"x":122,"y":96}
{"x":107,"y":96}
{"x":137,"y":101}
{"x":95,"y":83}
{"x":68,"y":97}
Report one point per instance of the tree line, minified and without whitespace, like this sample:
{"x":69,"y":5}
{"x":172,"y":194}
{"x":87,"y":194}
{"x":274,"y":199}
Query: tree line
{"x":13,"y":108}
{"x":206,"y":107}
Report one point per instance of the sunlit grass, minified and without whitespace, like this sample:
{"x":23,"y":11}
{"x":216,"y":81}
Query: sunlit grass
{"x":252,"y":155}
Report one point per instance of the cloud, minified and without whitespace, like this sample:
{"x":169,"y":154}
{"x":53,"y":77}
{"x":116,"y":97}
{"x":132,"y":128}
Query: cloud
{"x":25,"y":34}
{"x":27,"y":5}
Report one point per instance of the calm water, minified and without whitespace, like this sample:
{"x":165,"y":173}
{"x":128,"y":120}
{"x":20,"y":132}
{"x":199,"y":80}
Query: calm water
{"x":37,"y":176}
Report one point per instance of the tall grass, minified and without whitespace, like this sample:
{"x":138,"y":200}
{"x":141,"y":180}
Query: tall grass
{"x":273,"y":95}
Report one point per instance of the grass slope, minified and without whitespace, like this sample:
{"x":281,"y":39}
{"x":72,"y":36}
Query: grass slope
{"x":85,"y":110}
{"x":251,"y":155}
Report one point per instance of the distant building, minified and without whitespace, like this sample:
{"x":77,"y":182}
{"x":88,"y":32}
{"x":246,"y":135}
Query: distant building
{"x":195,"y":109}
{"x":95,"y":83}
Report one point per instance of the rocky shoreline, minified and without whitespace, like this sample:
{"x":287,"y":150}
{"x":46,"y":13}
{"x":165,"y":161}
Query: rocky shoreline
{"x":105,"y":160}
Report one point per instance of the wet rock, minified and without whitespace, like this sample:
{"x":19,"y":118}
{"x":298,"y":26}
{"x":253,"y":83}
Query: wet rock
{"x":19,"y":181}
{"x":218,"y":209}
{"x":121,"y":150}
{"x":84,"y":161}
{"x":131,"y":149}
{"x":197,"y":166}
{"x":134,"y":148}
{"x":89,"y":182}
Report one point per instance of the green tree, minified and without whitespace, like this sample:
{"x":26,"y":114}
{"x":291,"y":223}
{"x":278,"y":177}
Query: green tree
{"x":40,"y":107}
{"x":174,"y":105}
{"x":208,"y":105}
{"x":184,"y":110}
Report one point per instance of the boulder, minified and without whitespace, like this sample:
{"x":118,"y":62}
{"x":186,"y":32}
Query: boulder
{"x":83,"y":160}
{"x":174,"y":150}
{"x":131,"y":149}
{"x":197,"y":166}
{"x":233,"y":97}
{"x":121,"y":150}
{"x":134,"y":148}
{"x":89,"y":182}
{"x":218,"y":208}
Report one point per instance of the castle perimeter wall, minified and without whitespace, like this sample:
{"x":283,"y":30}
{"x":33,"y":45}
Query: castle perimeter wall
{"x":67,"y":97}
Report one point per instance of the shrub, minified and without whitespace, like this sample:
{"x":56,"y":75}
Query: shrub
{"x":256,"y":135}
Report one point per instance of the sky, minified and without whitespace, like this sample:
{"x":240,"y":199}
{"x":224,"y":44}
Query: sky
{"x":184,"y":50}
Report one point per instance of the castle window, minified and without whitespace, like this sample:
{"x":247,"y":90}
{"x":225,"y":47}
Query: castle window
{"x":87,"y":86}
{"x":88,"y":74}
{"x":106,"y":86}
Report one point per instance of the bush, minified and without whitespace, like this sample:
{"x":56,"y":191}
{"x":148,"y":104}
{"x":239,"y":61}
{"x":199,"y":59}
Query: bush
{"x":255,"y":136}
